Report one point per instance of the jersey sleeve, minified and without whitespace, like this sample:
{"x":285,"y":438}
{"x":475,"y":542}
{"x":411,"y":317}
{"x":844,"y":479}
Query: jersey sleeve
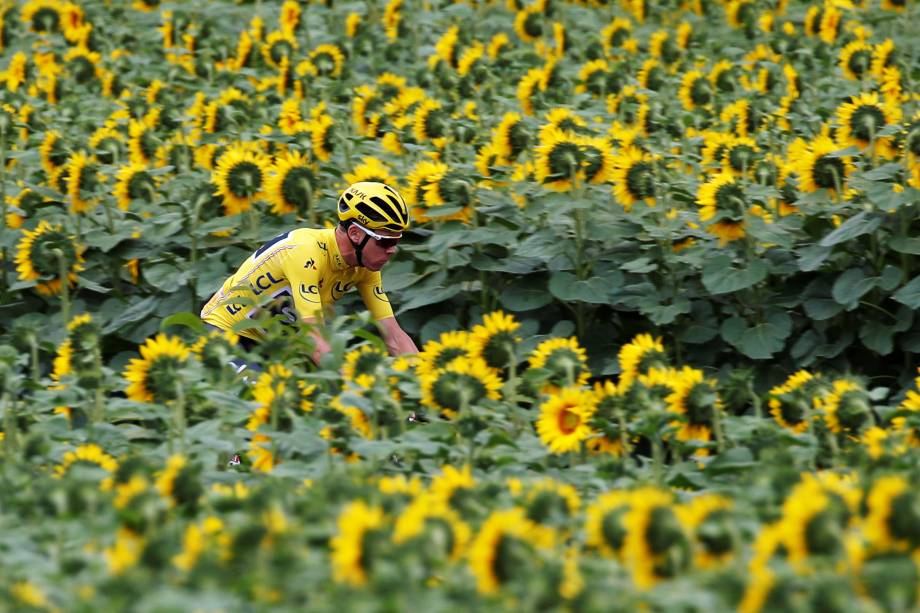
{"x":301,"y":267}
{"x":375,"y":299}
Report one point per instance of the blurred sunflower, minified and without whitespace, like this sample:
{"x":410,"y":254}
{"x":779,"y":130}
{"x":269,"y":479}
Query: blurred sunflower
{"x":428,"y":518}
{"x":657,"y":545}
{"x":453,"y":486}
{"x":741,"y":117}
{"x":722,"y":199}
{"x":817,"y":166}
{"x":54,"y":154}
{"x":503,"y":548}
{"x":559,"y":160}
{"x":43,"y":15}
{"x":564,"y":359}
{"x":230,"y":108}
{"x":134,"y":182}
{"x":430,"y":123}
{"x":142,"y":141}
{"x":419,"y":178}
{"x":846,"y":407}
{"x":529,"y":24}
{"x":707,"y":518}
{"x":564,"y":120}
{"x":855,"y":60}
{"x":633,"y":177}
{"x":359,"y":526}
{"x":488,"y":160}
{"x":328,"y":60}
{"x":82,"y":181}
{"x":565,"y":418}
{"x":277,"y":46}
{"x":723,"y":76}
{"x":511,"y":136}
{"x":290,"y":184}
{"x":739,"y":156}
{"x":790,"y":402}
{"x":90,"y":453}
{"x":38,"y":253}
{"x":240,"y":177}
{"x":637,"y":357}
{"x":154,"y":376}
{"x":495,"y":340}
{"x":695,"y":90}
{"x":892,"y":519}
{"x":862,"y":118}
{"x":550,"y":502}
{"x":447,"y":189}
{"x":461,"y":383}
{"x":605,"y":529}
{"x":322,"y":136}
{"x":371,"y":169}
{"x":362,"y":365}
{"x":696,"y":400}
{"x":884,"y":56}
{"x":289,"y":16}
{"x":652,"y":75}
{"x":216,"y":348}
{"x":615,"y":34}
{"x":107,"y":145}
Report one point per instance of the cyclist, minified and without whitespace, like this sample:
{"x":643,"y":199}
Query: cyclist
{"x":300,"y":274}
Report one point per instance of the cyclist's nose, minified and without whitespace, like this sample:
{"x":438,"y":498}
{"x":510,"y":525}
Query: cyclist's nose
{"x":390,"y":250}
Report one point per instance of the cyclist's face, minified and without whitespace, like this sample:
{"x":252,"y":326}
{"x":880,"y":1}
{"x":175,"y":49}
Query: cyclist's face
{"x":378,"y":252}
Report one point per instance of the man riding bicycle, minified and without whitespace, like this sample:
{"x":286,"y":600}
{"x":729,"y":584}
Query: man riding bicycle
{"x":300,"y":274}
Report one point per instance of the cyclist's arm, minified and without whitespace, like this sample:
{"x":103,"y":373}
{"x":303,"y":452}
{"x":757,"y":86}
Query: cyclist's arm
{"x":302,"y":273}
{"x":396,"y":339}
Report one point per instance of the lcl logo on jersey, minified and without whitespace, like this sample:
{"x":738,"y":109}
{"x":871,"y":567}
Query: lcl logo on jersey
{"x":338,"y":291}
{"x":263,"y":283}
{"x":310,"y":293}
{"x":378,"y":293}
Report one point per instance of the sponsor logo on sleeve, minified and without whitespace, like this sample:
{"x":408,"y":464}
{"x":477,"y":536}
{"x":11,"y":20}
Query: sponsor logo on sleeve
{"x":380,"y":295}
{"x":311,"y":263}
{"x":338,"y":290}
{"x":310,"y":293}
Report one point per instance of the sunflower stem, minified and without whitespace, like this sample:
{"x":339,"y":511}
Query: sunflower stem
{"x":3,"y":210}
{"x":98,"y":415}
{"x":36,"y":365}
{"x":179,"y":415}
{"x":9,"y":423}
{"x":657,"y":459}
{"x":755,"y":400}
{"x":65,"y":286}
{"x":624,"y":435}
{"x":717,"y":429}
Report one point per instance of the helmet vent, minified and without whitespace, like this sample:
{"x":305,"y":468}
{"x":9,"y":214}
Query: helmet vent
{"x":369,"y":212}
{"x":343,"y":205}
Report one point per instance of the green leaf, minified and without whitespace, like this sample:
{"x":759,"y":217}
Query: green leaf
{"x":859,"y":224}
{"x":732,"y":329}
{"x":761,"y":341}
{"x":812,"y":257}
{"x":720,"y":278}
{"x":136,"y":312}
{"x":522,"y":298}
{"x":431,"y":296}
{"x":640,"y":266}
{"x":186,"y":319}
{"x":568,"y":288}
{"x":877,"y":337}
{"x":695,"y":334}
{"x":820,"y":309}
{"x":165,"y":276}
{"x":852,"y":285}
{"x":891,"y":278}
{"x":909,"y":295}
{"x":905,"y":244}
{"x":733,"y":460}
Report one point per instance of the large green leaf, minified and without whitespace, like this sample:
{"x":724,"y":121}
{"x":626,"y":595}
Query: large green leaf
{"x":852,"y":285}
{"x":524,"y":297}
{"x":859,"y":224}
{"x":909,"y":295}
{"x":877,"y":336}
{"x":905,"y":244}
{"x":761,"y":341}
{"x":720,"y":277}
{"x":567,"y":287}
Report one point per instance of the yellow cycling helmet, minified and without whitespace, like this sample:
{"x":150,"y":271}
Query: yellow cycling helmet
{"x":375,"y":206}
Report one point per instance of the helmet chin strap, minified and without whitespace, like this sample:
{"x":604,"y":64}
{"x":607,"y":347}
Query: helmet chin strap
{"x":359,"y":248}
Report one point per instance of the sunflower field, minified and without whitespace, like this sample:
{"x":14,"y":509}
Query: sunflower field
{"x":663,"y":270}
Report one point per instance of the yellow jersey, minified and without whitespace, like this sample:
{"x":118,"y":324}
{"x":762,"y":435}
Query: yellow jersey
{"x":297,"y":274}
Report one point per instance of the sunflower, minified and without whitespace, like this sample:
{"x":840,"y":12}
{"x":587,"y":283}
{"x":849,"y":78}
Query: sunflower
{"x":328,"y":60}
{"x":656,"y":544}
{"x":354,"y":25}
{"x":504,"y":547}
{"x":471,"y":63}
{"x":430,"y":123}
{"x":452,"y":486}
{"x":362,"y":365}
{"x":107,"y":145}
{"x":564,"y":359}
{"x":424,"y":173}
{"x":564,"y":421}
{"x":633,"y":177}
{"x":488,"y":159}
{"x":862,"y":118}
{"x":289,"y":17}
{"x":511,"y":136}
{"x":461,"y":383}
{"x":707,"y":518}
{"x":392,"y":19}
{"x":277,"y":46}
{"x":240,"y":177}
{"x":497,"y":45}
{"x":82,"y":181}
{"x":529,"y":24}
{"x":153,"y":377}
{"x":638,"y":356}
{"x":87,"y":454}
{"x":696,"y":400}
{"x":855,"y":60}
{"x":22,"y":206}
{"x":134,"y":182}
{"x":428,"y":517}
{"x":215,"y":348}
{"x":604,"y":527}
{"x":891,"y":522}
{"x":790,"y":402}
{"x":723,"y":76}
{"x":565,"y":121}
{"x":651,"y":75}
{"x":290,"y":184}
{"x":371,"y":169}
{"x":450,"y":188}
{"x":741,"y":118}
{"x":846,"y":407}
{"x":230,"y":107}
{"x":533,"y":81}
{"x":884,"y":57}
{"x":695,"y":90}
{"x":495,"y":340}
{"x":817,"y":167}
{"x":43,"y":16}
{"x":359,"y":525}
{"x":142,"y":141}
{"x":831,"y":18}
{"x":322,"y":136}
{"x":615,"y":34}
{"x":559,"y":160}
{"x":53,"y":153}
{"x":722,"y":199}
{"x":38,"y":254}
{"x":739,"y":156}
